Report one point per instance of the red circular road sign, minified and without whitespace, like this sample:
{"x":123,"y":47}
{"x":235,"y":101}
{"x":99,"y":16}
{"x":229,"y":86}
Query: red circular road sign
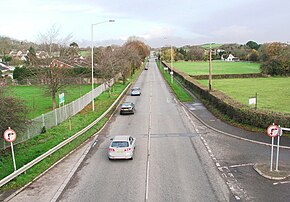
{"x":9,"y":135}
{"x":273,"y":130}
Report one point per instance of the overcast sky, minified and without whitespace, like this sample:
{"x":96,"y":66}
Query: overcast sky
{"x":159,"y":23}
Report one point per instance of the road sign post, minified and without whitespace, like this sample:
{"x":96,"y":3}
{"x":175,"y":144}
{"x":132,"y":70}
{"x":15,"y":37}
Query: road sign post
{"x":278,"y":147}
{"x":272,"y":131}
{"x":10,"y":136}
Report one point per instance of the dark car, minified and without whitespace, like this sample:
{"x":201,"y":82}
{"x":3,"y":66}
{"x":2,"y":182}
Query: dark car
{"x":136,"y":91}
{"x":127,"y":108}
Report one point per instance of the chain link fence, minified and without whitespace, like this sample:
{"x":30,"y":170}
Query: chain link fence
{"x":53,"y":118}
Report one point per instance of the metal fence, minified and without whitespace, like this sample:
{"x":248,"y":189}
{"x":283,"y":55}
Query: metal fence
{"x":56,"y":117}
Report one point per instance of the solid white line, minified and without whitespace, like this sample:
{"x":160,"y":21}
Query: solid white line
{"x":285,"y":182}
{"x":241,"y":165}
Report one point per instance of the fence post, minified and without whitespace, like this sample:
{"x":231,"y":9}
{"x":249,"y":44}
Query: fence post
{"x":28,"y":133}
{"x":43,"y":123}
{"x":55,"y":117}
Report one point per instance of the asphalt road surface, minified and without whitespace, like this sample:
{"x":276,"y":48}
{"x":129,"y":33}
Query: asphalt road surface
{"x":170,"y":163}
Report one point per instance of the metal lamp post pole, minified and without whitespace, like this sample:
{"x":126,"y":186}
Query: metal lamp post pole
{"x":171,"y":63}
{"x":210,"y":70}
{"x":92,"y":55}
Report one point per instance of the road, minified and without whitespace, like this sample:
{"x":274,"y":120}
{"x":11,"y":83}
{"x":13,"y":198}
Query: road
{"x":170,"y":162}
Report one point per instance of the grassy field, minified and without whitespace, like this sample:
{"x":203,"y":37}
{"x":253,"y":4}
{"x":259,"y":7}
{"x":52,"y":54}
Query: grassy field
{"x":39,"y":102}
{"x":214,"y":45}
{"x":85,"y":53}
{"x":218,"y":67}
{"x":273,"y":92}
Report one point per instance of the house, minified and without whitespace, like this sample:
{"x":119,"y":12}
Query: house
{"x":42,"y":55}
{"x":6,"y":71}
{"x":19,"y":55}
{"x":58,"y":63}
{"x":230,"y":58}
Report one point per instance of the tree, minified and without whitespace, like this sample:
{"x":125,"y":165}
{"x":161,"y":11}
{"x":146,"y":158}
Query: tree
{"x":31,"y":57}
{"x":275,"y":58}
{"x":253,"y":56}
{"x":125,"y":61}
{"x":52,"y":41}
{"x":195,"y":53}
{"x":13,"y":112}
{"x":253,"y":45}
{"x":106,"y":68}
{"x":73,"y":49}
{"x":139,"y":46}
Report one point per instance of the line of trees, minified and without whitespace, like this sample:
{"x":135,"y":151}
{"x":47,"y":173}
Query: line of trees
{"x":274,"y":57}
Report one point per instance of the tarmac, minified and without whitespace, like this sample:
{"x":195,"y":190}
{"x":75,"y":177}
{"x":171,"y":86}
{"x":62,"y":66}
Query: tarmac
{"x":49,"y":186}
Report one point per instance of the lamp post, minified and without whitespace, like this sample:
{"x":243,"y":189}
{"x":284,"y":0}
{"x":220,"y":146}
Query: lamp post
{"x":171,"y":63}
{"x":210,"y":70}
{"x":92,"y":55}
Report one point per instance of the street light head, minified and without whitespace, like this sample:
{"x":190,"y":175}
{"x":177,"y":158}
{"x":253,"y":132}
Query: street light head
{"x":111,"y":20}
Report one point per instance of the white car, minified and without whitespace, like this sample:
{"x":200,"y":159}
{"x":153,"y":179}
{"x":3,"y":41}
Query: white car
{"x":122,"y":147}
{"x":136,"y":91}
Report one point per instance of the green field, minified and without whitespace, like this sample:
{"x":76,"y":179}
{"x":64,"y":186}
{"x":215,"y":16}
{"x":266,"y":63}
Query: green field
{"x":273,"y":92}
{"x":218,"y":67}
{"x":213,"y":45}
{"x":85,"y":53}
{"x":39,"y":102}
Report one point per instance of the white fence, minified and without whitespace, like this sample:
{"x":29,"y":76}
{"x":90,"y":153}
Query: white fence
{"x":56,"y":117}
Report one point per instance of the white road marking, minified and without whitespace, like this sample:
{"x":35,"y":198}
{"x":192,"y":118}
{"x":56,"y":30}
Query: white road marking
{"x":229,"y":178}
{"x":241,"y":165}
{"x":285,"y":182}
{"x":148,"y":147}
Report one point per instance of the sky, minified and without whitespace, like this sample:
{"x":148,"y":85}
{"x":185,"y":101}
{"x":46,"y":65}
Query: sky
{"x":157,"y":22}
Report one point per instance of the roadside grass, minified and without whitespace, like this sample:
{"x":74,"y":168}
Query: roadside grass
{"x":180,"y":93}
{"x":39,"y":102}
{"x":218,"y":67}
{"x":273,"y":92}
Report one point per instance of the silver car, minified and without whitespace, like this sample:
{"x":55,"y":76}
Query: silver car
{"x":122,"y":147}
{"x":136,"y":91}
{"x":127,"y":108}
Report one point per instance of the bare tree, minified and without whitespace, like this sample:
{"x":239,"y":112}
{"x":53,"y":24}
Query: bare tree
{"x":51,"y":39}
{"x":107,"y":66}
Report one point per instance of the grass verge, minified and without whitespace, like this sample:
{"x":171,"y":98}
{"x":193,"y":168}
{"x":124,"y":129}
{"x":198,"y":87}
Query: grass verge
{"x":180,"y":93}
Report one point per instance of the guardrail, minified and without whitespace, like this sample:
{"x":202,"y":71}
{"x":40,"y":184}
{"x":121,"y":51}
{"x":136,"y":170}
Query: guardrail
{"x":54,"y":149}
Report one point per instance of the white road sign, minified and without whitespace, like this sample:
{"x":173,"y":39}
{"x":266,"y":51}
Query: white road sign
{"x":252,"y":101}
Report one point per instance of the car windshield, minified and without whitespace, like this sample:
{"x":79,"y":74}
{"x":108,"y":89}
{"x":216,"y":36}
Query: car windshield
{"x":135,"y":89}
{"x":119,"y":144}
{"x":126,"y":105}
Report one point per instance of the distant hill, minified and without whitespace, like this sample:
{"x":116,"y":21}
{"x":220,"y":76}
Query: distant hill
{"x":7,"y":44}
{"x":213,"y":45}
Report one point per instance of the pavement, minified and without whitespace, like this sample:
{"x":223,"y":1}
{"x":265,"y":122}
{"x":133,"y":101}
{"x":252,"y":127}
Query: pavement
{"x":49,"y":186}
